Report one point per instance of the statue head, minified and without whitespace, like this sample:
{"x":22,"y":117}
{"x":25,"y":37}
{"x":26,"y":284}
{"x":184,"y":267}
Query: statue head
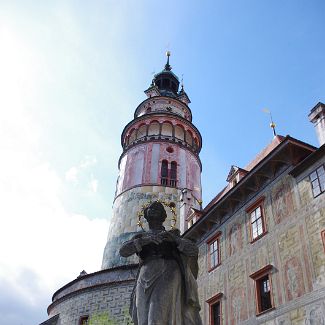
{"x":155,"y":214}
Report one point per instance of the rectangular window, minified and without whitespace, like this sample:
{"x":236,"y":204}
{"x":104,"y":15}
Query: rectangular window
{"x":263,"y":289}
{"x":215,"y":315}
{"x":257,"y":223}
{"x":257,"y":219}
{"x":84,"y":320}
{"x":214,"y":251}
{"x":264,"y":293}
{"x":215,"y":309}
{"x":317,"y":179}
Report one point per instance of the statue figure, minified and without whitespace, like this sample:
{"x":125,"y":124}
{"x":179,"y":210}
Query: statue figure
{"x":165,"y":291}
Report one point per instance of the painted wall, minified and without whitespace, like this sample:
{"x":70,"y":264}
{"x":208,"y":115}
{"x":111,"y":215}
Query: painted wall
{"x":142,"y":165}
{"x":293,"y":245}
{"x":163,"y":104}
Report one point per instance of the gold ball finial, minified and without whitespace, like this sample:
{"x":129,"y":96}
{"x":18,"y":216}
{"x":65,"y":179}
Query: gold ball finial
{"x":272,"y":125}
{"x":168,"y":53}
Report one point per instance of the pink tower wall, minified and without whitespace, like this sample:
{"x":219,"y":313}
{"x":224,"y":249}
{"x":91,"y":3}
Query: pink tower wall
{"x":141,"y":165}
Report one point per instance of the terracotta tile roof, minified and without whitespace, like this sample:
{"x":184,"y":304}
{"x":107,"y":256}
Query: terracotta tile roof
{"x":217,"y":198}
{"x":275,"y":142}
{"x":270,"y":147}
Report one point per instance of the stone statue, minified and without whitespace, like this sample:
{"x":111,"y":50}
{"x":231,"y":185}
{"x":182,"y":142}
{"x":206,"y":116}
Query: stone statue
{"x":165,"y":291}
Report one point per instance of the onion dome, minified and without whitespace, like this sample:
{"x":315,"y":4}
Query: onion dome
{"x":166,"y":81}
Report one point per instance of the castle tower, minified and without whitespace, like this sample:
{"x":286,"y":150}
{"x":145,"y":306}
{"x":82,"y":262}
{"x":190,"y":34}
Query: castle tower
{"x":160,"y":161}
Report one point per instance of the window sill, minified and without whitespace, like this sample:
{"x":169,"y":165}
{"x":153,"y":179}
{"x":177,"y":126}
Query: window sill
{"x":258,"y":237}
{"x":213,"y":268}
{"x":265,"y":311}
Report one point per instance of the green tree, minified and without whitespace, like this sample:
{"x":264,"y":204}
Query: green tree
{"x":127,"y":318}
{"x":101,"y":319}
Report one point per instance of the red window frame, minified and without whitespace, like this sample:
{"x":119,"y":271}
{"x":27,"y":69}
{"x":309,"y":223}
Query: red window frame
{"x":258,"y":277}
{"x":214,"y":239}
{"x":216,"y":299}
{"x":83,"y":318}
{"x":168,"y":176}
{"x":323,"y":238}
{"x":258,"y":204}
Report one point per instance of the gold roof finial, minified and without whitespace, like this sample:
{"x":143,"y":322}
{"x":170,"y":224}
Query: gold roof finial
{"x":167,"y":66}
{"x":272,"y":124}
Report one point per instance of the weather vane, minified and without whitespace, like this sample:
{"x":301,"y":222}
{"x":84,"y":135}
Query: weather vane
{"x":272,"y":124}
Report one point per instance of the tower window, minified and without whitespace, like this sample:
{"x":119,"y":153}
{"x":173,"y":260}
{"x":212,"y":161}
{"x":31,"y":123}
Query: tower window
{"x":164,"y":172}
{"x":173,"y":174}
{"x":165,"y":83}
{"x":168,"y":176}
{"x":317,"y":179}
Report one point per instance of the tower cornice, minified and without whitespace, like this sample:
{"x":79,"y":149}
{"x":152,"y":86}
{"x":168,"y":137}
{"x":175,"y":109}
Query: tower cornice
{"x":157,"y":115}
{"x":166,"y":98}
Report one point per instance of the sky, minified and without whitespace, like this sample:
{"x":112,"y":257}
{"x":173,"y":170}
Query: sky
{"x":71,"y":75}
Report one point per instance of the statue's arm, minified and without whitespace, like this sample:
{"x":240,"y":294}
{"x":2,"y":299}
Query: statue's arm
{"x":131,"y":247}
{"x":187,"y":247}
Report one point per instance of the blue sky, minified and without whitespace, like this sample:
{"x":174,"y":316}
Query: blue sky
{"x":72,"y":74}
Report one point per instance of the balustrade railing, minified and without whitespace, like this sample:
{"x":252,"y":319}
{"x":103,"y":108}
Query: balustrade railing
{"x":168,"y":182}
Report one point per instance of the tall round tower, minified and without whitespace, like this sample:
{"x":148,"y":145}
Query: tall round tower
{"x":160,"y":160}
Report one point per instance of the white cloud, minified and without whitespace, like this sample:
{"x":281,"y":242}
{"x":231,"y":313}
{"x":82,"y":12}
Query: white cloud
{"x":93,"y":185}
{"x":73,"y":174}
{"x":42,"y":246}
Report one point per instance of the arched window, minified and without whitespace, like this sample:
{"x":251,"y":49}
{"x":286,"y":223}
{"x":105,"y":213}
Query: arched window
{"x":142,"y":131}
{"x":132,"y":136}
{"x":168,"y":176}
{"x":164,"y":172}
{"x":167,"y":129}
{"x":154,"y":128}
{"x":173,"y":174}
{"x":189,"y":138}
{"x":179,"y":132}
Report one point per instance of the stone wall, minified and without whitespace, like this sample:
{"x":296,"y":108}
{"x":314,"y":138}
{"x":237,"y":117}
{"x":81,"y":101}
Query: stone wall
{"x":292,"y":245}
{"x":95,"y":295}
{"x":123,"y":223}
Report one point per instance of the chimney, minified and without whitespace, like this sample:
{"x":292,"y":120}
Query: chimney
{"x":317,"y":117}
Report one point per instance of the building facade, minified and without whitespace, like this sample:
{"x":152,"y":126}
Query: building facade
{"x":261,"y":239}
